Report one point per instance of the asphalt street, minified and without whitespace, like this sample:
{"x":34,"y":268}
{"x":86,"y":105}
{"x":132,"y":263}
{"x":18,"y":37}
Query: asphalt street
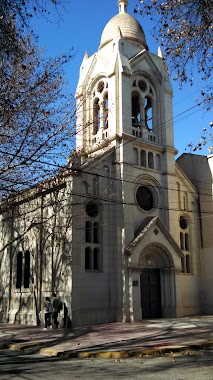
{"x":192,"y":365}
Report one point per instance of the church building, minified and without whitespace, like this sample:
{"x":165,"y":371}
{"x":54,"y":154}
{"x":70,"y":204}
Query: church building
{"x":124,"y":234}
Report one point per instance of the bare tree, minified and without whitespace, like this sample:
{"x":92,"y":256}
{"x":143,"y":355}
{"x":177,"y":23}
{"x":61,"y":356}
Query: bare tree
{"x":15,"y":19}
{"x":185,"y":30}
{"x":37,"y":118}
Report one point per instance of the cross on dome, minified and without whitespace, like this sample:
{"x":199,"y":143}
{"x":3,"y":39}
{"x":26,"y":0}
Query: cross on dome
{"x":122,"y":5}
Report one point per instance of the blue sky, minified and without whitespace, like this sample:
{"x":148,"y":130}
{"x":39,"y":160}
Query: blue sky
{"x":80,"y":28}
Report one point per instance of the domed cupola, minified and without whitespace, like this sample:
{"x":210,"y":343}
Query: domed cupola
{"x":128,"y":25}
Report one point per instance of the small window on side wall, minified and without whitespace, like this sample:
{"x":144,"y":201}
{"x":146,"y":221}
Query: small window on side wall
{"x":19,"y":270}
{"x":26,"y":269}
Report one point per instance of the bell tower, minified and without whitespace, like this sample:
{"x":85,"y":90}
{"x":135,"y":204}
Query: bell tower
{"x":123,"y":88}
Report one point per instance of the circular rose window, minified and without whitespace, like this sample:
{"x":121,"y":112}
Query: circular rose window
{"x":183,"y":223}
{"x":144,"y":198}
{"x":92,"y":209}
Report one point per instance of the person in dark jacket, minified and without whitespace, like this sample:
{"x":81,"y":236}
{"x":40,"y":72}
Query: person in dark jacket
{"x":55,"y":303}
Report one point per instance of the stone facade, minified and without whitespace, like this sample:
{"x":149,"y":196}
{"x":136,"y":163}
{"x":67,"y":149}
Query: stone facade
{"x":124,"y":233}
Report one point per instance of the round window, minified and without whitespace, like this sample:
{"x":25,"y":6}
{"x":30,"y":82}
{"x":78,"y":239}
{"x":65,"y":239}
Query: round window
{"x":100,"y":86}
{"x":183,"y":223}
{"x":144,"y":198}
{"x":92,"y":209}
{"x":142,"y":85}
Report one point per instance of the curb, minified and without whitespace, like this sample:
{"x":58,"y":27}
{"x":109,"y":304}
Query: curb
{"x":160,"y":350}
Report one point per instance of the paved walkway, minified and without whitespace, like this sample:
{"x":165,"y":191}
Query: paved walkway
{"x":112,"y":340}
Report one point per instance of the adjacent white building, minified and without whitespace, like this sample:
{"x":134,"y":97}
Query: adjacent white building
{"x":125,"y":234}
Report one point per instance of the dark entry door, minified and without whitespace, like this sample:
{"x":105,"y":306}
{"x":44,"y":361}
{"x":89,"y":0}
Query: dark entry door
{"x":151,"y":293}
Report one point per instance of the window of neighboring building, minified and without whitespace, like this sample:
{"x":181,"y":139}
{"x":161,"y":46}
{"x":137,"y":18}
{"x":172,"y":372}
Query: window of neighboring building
{"x":184,"y":224}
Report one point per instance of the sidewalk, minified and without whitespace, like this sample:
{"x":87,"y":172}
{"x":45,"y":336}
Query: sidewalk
{"x":117,"y":340}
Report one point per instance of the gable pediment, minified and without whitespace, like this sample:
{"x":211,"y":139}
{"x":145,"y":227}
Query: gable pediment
{"x":143,"y":61}
{"x":153,"y":231}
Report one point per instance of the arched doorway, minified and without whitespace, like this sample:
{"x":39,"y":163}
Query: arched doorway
{"x":157,"y":282}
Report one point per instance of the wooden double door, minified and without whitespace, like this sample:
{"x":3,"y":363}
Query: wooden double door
{"x":150,"y":283}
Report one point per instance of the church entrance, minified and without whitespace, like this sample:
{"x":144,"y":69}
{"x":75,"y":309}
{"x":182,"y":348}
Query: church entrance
{"x":150,"y":283}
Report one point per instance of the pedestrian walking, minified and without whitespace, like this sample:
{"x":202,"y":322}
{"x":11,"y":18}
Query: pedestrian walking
{"x":48,"y":312}
{"x":56,"y":309}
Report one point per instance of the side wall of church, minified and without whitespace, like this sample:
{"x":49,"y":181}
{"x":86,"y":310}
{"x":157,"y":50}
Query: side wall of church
{"x":37,"y":252}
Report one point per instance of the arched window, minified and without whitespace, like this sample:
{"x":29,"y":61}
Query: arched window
{"x":19,"y":270}
{"x":143,"y":158}
{"x":184,"y":223}
{"x":88,"y":232}
{"x":96,"y":259}
{"x":181,"y":241}
{"x":85,"y":187}
{"x":135,"y":109}
{"x":150,"y":160}
{"x":135,"y":156}
{"x":96,"y":116}
{"x":26,"y":269}
{"x":88,"y":258}
{"x":95,"y":185}
{"x":186,"y":242}
{"x":188,"y":263}
{"x":105,"y":111}
{"x":148,"y":112}
{"x":96,"y":232}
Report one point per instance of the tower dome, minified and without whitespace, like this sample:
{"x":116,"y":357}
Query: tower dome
{"x":128,"y":25}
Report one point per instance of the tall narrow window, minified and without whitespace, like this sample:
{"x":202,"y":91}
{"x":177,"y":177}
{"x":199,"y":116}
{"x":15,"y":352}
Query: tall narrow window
{"x":135,"y":156}
{"x":19,"y":270}
{"x":186,"y":242}
{"x":96,"y":116}
{"x":88,"y":258}
{"x":150,"y":160}
{"x":143,"y":158}
{"x":85,"y":187}
{"x":158,"y":162}
{"x":181,"y":240}
{"x":184,"y":223}
{"x":148,"y":113}
{"x":188,"y":263}
{"x":95,"y":185}
{"x":26,"y":269}
{"x":96,"y":259}
{"x":135,"y":109}
{"x":88,"y":232}
{"x":105,"y":111}
{"x":96,"y":232}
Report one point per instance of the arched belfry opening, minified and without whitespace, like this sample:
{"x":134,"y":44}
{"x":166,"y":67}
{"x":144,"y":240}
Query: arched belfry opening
{"x":144,"y":110}
{"x":157,"y":283}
